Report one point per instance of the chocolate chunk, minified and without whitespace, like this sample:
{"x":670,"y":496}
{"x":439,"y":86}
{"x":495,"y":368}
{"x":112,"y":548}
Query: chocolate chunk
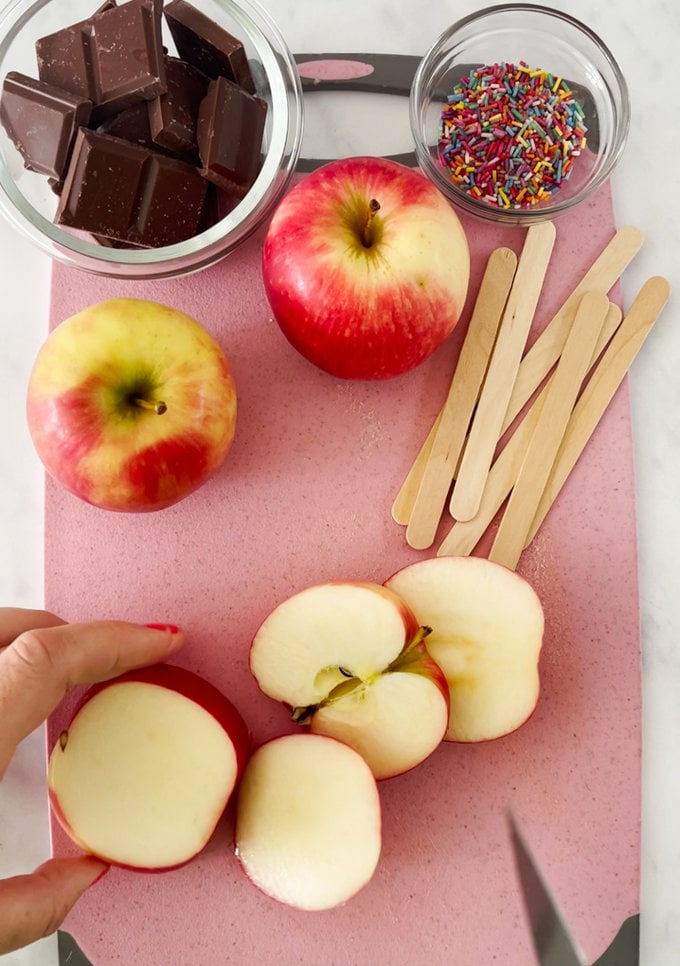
{"x":42,"y":121}
{"x":207,"y":46}
{"x":115,"y":58}
{"x":173,"y":115}
{"x":127,"y":193}
{"x":230,"y":129}
{"x":64,"y":57}
{"x":133,"y":125}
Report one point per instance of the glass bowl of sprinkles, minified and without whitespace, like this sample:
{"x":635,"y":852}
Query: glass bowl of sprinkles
{"x":518,"y":113}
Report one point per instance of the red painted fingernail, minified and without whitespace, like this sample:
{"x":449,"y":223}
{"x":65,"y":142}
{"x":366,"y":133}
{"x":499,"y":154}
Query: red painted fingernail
{"x":163,"y":627}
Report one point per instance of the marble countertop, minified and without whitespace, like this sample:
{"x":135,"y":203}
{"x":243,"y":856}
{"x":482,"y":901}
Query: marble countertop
{"x":645,"y":45}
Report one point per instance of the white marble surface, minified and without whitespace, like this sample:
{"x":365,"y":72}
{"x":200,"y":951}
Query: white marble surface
{"x":645,"y":40}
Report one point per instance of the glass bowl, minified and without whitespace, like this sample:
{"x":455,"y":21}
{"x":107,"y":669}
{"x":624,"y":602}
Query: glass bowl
{"x":28,"y":202}
{"x":454,"y":127}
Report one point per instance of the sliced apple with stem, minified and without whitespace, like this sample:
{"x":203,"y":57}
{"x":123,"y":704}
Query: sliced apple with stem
{"x":145,"y":769}
{"x":349,"y":659}
{"x":487,"y":631}
{"x":308,"y":822}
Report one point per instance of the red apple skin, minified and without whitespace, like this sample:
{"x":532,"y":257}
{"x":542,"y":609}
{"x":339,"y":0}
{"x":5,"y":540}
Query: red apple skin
{"x":93,"y":440}
{"x":196,"y":689}
{"x":357,"y":311}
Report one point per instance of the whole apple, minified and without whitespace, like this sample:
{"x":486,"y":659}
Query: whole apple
{"x":131,"y":405}
{"x":366,"y":268}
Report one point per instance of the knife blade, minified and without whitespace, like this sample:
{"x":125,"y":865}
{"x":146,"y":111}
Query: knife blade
{"x":554,"y":942}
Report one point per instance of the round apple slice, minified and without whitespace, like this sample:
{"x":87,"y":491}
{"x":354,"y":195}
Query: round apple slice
{"x":308,"y":823}
{"x":146,"y":767}
{"x":349,"y":658}
{"x":487,"y":631}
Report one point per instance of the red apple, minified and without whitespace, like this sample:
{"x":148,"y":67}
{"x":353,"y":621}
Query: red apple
{"x":349,"y":658}
{"x":308,"y":821}
{"x":131,"y":405}
{"x":143,"y":772}
{"x":366,"y":268}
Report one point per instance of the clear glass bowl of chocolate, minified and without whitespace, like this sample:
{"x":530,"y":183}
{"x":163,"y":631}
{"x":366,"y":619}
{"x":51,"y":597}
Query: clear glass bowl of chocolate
{"x":142,"y":139}
{"x":519,"y":112}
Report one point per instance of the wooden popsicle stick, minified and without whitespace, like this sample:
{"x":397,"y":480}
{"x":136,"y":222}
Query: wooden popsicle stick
{"x":454,"y":419}
{"x":537,"y":363}
{"x":408,"y":491}
{"x":559,"y":401}
{"x":502,"y":372}
{"x":600,"y":277}
{"x":597,"y":395}
{"x":544,"y":353}
{"x":474,"y":353}
{"x":464,"y":536}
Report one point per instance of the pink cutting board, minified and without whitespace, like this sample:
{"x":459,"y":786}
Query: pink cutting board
{"x":304,"y":497}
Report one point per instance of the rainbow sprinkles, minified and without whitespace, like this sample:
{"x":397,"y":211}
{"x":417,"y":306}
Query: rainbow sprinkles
{"x":510,"y":134}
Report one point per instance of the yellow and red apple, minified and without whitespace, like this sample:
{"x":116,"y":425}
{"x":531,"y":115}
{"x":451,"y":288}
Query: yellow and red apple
{"x":131,"y":405}
{"x":366,"y":268}
{"x":144,"y":771}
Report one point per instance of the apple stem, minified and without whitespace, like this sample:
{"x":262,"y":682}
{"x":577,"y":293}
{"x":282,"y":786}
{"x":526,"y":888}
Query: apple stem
{"x":367,"y":234}
{"x":157,"y":407}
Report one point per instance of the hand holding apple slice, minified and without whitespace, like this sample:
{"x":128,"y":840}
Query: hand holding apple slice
{"x":131,"y":405}
{"x":487,"y":631}
{"x":349,"y":658}
{"x":146,"y":767}
{"x":308,"y":825}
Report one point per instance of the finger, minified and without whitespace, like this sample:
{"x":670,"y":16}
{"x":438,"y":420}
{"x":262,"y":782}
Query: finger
{"x":33,"y":906}
{"x":16,"y":620}
{"x":41,"y":665}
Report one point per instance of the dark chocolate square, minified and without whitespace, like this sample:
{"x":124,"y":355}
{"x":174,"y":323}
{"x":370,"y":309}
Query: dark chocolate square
{"x":103,"y":185}
{"x":115,"y":58}
{"x":64,"y":60}
{"x":128,"y":62}
{"x":173,"y":115}
{"x":122,"y":191}
{"x":42,"y":121}
{"x":230,"y":128}
{"x":207,"y":46}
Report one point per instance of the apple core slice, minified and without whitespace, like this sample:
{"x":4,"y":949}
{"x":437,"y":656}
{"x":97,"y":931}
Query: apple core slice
{"x":395,"y":722}
{"x":487,"y":631}
{"x":145,"y":769}
{"x":308,"y":824}
{"x":325,"y":634}
{"x":348,"y":658}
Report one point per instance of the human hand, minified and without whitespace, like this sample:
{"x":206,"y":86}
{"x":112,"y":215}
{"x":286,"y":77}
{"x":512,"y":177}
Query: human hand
{"x":41,"y":659}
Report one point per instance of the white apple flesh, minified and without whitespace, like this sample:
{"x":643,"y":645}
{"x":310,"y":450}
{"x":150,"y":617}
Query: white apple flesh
{"x":308,"y":823}
{"x":131,"y":405}
{"x":487,"y":631}
{"x":366,"y":268}
{"x":348,"y":658}
{"x":146,"y":767}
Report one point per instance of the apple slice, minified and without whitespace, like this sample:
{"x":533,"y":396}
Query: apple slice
{"x":308,"y":822}
{"x":146,"y":767}
{"x":349,"y":658}
{"x":487,"y":631}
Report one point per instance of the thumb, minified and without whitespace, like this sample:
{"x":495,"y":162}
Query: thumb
{"x":33,"y":906}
